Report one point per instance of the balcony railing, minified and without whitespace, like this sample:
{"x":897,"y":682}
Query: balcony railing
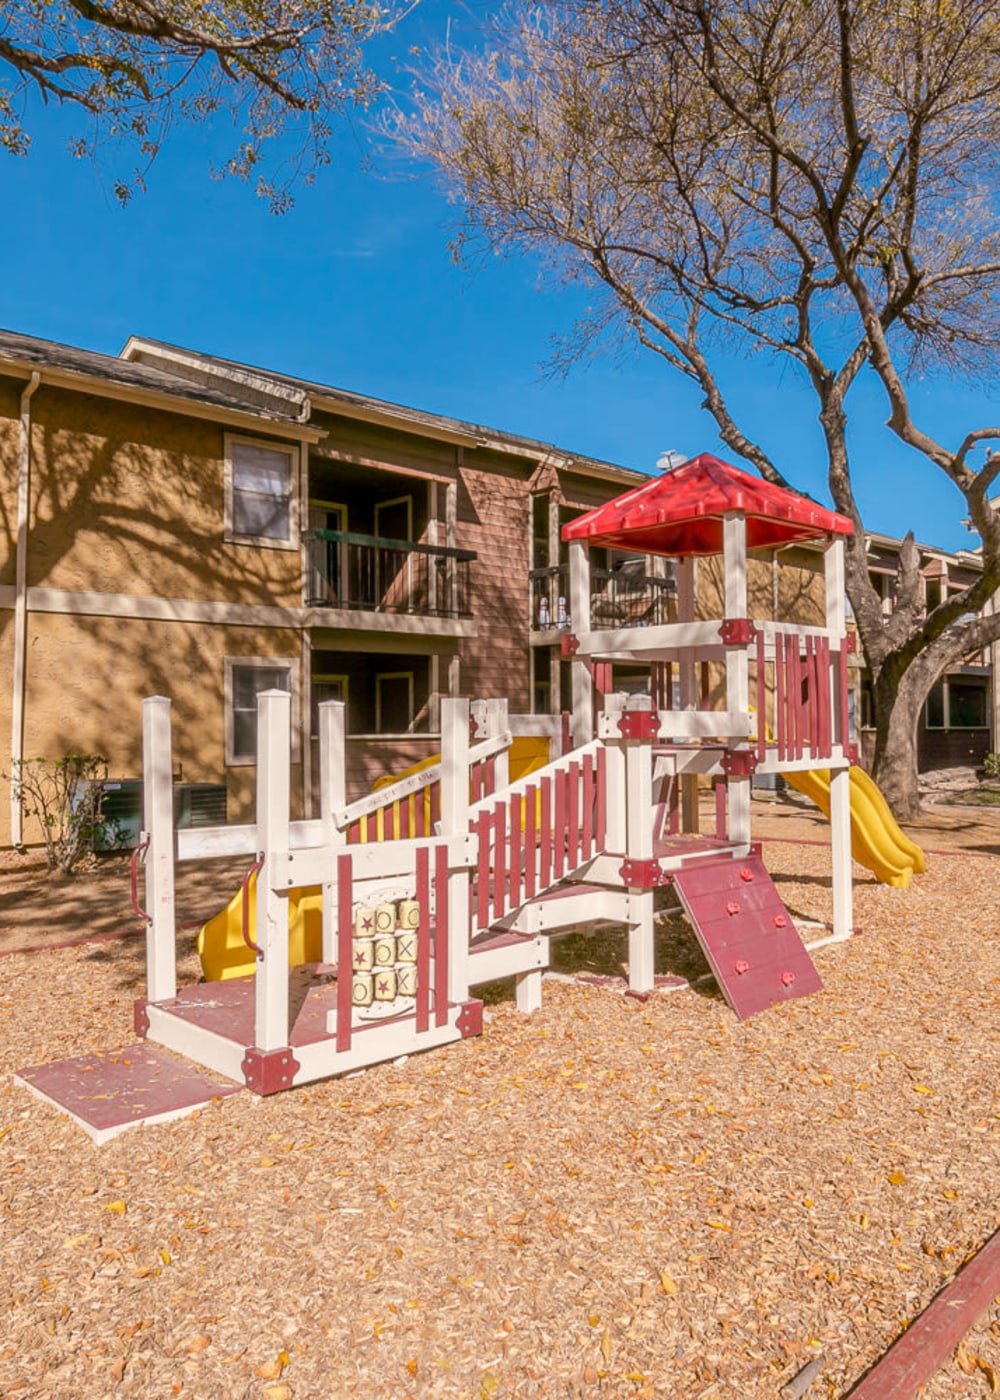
{"x":365,"y":573}
{"x":622,"y":597}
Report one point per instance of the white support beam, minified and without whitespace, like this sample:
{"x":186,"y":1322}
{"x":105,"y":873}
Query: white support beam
{"x":454,"y":822}
{"x":332,"y":797}
{"x":582,"y":718}
{"x":835,"y":577}
{"x":840,"y":840}
{"x":158,"y":822}
{"x":274,"y":734}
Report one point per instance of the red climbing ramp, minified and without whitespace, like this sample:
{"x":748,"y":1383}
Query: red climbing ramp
{"x":746,"y":933}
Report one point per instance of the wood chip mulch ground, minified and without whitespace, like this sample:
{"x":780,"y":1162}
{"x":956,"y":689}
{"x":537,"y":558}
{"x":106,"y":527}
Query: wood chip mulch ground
{"x":606,"y":1199}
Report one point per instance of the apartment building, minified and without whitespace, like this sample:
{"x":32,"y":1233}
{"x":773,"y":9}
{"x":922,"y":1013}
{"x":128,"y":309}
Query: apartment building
{"x":183,"y":525}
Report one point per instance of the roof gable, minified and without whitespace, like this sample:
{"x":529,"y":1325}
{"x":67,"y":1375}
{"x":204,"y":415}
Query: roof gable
{"x":681,"y":512}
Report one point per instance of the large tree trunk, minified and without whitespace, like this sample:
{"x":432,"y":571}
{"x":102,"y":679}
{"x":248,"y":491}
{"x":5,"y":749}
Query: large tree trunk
{"x":897,"y":714}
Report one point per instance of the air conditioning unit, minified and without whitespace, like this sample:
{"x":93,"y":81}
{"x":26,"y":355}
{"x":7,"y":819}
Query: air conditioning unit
{"x":195,"y":804}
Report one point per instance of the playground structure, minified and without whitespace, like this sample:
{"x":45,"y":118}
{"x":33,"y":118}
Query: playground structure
{"x":455,"y":876}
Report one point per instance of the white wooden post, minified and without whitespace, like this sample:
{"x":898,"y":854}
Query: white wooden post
{"x":495,"y":722}
{"x":835,"y":578}
{"x":582,"y":718}
{"x":454,"y":822}
{"x":734,"y":558}
{"x":840,"y":781}
{"x":687,"y":685}
{"x":274,"y":737}
{"x":840,"y":829}
{"x":158,"y":821}
{"x":332,"y":797}
{"x":639,"y":845}
{"x":836,"y":586}
{"x":616,"y":805}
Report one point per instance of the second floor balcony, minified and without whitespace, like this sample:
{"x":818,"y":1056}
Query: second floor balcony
{"x":626,"y":596}
{"x":365,"y":573}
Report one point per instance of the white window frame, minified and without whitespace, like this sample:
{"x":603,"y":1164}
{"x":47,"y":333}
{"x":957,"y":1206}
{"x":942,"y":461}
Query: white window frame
{"x":326,"y":678}
{"x":293,"y":452}
{"x":259,"y":663}
{"x":381,"y":676}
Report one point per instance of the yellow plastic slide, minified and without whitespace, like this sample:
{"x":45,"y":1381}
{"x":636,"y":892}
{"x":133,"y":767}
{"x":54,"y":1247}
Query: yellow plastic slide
{"x":220,"y":942}
{"x":876,"y":840}
{"x":221,"y":947}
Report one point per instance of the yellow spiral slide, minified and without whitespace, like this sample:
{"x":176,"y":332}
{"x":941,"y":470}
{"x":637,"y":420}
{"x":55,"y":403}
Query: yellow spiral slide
{"x":876,"y":839}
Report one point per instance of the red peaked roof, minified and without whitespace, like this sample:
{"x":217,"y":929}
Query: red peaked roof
{"x":680,"y":513}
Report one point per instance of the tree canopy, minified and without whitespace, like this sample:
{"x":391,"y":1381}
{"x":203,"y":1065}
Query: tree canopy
{"x":134,"y":68}
{"x":816,"y":179}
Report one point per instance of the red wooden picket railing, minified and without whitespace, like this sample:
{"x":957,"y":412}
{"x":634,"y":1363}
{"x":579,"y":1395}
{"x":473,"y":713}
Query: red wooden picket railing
{"x":537,"y":831}
{"x":796,"y":689}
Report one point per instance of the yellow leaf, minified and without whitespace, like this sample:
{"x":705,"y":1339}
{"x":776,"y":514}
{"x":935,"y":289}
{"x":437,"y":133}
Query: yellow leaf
{"x":271,"y":1370}
{"x":267,"y":1162}
{"x":281,"y":1391}
{"x":198,"y":1342}
{"x":119,"y":1207}
{"x":964,"y":1361}
{"x":489,"y":1385}
{"x":164,"y":1256}
{"x":922,"y":1089}
{"x":668,"y":1284}
{"x":606,"y":1346}
{"x":72,"y":1241}
{"x":411,"y":1366}
{"x":896,"y":1178}
{"x":719,"y":1225}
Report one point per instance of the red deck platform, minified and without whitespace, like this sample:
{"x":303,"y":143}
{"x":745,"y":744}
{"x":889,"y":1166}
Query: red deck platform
{"x":112,"y":1090}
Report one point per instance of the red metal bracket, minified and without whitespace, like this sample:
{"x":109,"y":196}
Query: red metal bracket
{"x":639,"y":724}
{"x":470,"y":1019}
{"x":740,"y":967}
{"x":851,"y":753}
{"x":569,"y":645}
{"x":268,"y":1071}
{"x":739,"y":763}
{"x":851,"y":643}
{"x":780,"y":921}
{"x":732,"y":907}
{"x":737,"y":631}
{"x":140,"y":1016}
{"x":643,"y":874}
{"x":746,"y":875}
{"x":473,"y":726}
{"x":787,"y":978}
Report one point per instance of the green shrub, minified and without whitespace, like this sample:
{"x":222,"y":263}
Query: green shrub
{"x":991,"y":765}
{"x":64,"y":796}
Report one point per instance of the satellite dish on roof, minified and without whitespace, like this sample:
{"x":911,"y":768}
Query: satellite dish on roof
{"x":669,"y":460}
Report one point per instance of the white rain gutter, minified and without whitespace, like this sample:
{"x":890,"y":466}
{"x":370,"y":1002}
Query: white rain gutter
{"x":21,"y":608}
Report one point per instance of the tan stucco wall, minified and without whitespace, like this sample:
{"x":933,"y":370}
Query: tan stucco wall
{"x":87,"y":678}
{"x":9,"y":413}
{"x":130,"y":500}
{"x":801,"y":588}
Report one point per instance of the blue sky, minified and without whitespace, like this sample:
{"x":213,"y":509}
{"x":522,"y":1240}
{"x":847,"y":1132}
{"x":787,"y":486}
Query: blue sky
{"x":356,"y":287}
